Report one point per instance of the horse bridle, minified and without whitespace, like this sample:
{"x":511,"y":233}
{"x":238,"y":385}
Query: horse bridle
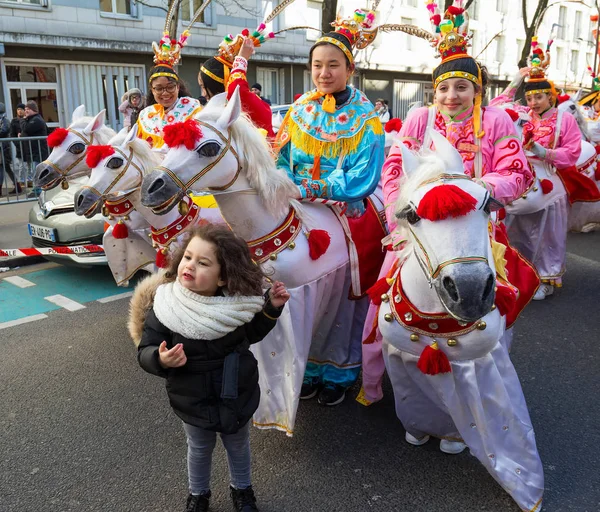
{"x":63,"y":173}
{"x":102,"y":195}
{"x":186,"y":186}
{"x":433,"y":273}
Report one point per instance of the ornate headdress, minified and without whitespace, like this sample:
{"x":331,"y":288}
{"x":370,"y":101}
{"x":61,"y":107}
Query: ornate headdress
{"x":539,"y":62}
{"x":593,"y":96}
{"x":230,"y":46}
{"x":167,"y":52}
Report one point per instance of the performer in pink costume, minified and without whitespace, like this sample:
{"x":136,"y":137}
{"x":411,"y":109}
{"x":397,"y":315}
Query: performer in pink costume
{"x":553,"y":140}
{"x":490,"y":148}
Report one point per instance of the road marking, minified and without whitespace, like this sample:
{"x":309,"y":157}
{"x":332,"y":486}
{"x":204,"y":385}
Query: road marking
{"x":23,"y":320}
{"x":64,"y":302}
{"x":19,"y":281}
{"x":115,"y":297}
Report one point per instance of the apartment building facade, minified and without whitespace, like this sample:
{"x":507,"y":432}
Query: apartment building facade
{"x":63,"y":53}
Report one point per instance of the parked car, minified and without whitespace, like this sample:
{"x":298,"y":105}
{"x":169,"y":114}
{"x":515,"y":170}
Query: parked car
{"x":278,"y":113}
{"x":53,"y":223}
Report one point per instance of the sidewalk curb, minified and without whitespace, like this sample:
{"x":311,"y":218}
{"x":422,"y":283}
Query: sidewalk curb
{"x":21,"y":261}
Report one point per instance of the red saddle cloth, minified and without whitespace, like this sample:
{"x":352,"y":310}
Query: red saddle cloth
{"x":579,"y":187}
{"x":367,"y":232}
{"x":521,"y":274}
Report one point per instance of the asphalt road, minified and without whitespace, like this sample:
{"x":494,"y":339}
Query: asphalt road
{"x":83,"y":428}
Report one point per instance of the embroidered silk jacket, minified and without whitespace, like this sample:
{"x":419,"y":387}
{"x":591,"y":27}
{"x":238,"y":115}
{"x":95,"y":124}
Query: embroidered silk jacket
{"x":153,"y":119}
{"x":332,"y":155}
{"x":504,"y":166}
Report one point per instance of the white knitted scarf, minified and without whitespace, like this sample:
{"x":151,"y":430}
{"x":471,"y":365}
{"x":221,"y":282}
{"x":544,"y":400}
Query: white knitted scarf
{"x":202,"y":318}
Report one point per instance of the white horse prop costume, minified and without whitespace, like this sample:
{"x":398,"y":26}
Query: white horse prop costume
{"x":69,"y":148}
{"x":451,"y":375}
{"x":114,"y":187}
{"x":222,"y":153}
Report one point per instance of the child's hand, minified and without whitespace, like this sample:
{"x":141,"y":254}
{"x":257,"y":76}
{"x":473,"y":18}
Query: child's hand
{"x":173,"y":358}
{"x":278,"y":294}
{"x":247,"y":48}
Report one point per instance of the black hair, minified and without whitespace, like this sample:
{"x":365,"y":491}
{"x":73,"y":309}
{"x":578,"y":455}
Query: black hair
{"x":337,"y":36}
{"x":217,"y":68}
{"x":183,"y":90}
{"x":534,"y":86}
{"x":467,"y":64}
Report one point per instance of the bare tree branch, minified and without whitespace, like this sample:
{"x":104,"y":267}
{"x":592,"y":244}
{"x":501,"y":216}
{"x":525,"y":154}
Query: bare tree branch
{"x":153,"y":6}
{"x":448,"y":3}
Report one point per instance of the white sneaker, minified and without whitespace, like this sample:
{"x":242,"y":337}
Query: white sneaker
{"x":543,"y":291}
{"x":452,"y":447}
{"x":414,"y":441}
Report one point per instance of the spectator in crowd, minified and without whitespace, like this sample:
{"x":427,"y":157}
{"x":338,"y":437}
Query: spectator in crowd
{"x":34,"y":151}
{"x":382,"y":110}
{"x":132,"y":103}
{"x":18,"y":165}
{"x":257,"y":89}
{"x":5,"y":150}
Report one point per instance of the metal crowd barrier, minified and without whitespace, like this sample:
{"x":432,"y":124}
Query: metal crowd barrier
{"x":17,"y":167}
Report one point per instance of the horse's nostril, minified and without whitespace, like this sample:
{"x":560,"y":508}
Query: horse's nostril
{"x":80,"y":200}
{"x":156,"y":186}
{"x":450,"y":287}
{"x":489,"y":286}
{"x":44,"y":173}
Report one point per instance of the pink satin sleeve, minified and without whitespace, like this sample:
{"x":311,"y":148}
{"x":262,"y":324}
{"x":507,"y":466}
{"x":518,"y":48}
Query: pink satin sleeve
{"x":568,"y":149}
{"x":509,"y":173}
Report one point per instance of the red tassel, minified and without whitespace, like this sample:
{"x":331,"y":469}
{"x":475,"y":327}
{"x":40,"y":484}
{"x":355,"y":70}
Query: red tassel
{"x":597,"y":172}
{"x":436,"y":19}
{"x":445,"y":201}
{"x":57,"y":137}
{"x":120,"y":230}
{"x":506,"y":300}
{"x":187,"y":134}
{"x":393,"y":125}
{"x":514,"y":115}
{"x":455,"y":10}
{"x":502,"y":214}
{"x":318,"y":243}
{"x":433,"y":361}
{"x":547,"y":186}
{"x":377,"y":290}
{"x":97,"y":153}
{"x":562,"y":98}
{"x":161,"y":258}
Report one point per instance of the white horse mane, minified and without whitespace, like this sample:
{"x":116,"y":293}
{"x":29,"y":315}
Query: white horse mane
{"x":141,"y":149}
{"x":571,"y":106}
{"x":273,"y":185}
{"x":101,"y":137}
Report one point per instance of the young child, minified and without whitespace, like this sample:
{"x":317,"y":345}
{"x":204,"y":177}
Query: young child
{"x":132,"y":103}
{"x":194,"y":325}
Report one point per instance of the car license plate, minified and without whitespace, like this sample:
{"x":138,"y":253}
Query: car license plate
{"x":42,"y":232}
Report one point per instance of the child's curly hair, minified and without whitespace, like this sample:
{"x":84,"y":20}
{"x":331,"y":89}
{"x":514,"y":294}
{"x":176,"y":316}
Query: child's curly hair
{"x":238,"y":270}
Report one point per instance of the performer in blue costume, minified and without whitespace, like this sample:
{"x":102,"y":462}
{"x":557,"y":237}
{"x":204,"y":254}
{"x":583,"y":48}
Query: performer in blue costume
{"x":331,"y":144}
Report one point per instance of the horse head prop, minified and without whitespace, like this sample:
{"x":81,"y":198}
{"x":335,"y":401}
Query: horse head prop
{"x":69,"y":149}
{"x":446,"y":215}
{"x":117,"y":170}
{"x":207,"y":154}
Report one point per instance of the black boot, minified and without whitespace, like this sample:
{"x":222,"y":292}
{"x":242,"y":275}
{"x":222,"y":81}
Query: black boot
{"x":197,"y":502}
{"x":310,"y":388}
{"x":332,"y":394}
{"x":243,"y":499}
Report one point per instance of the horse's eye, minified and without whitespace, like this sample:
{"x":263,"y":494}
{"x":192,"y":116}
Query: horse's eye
{"x":409,"y":214}
{"x":77,"y":148}
{"x":114,"y":163}
{"x":209,"y":149}
{"x":492,"y":205}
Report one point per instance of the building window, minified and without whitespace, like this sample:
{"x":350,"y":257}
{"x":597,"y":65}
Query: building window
{"x":410,"y":3}
{"x":575,"y":62}
{"x":268,"y":78}
{"x":562,"y":22}
{"x":41,"y":3}
{"x":578,"y":25}
{"x":474,"y":43}
{"x":500,"y":42}
{"x":501,"y":6}
{"x":122,"y":7}
{"x":473,"y":10}
{"x":267,"y":8}
{"x":560,"y":59}
{"x":189,"y":7}
{"x":520,"y":45}
{"x":406,"y":41}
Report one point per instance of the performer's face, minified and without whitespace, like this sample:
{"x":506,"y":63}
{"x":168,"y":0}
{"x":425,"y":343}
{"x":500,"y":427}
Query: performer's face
{"x":538,"y":102}
{"x":329,"y":68}
{"x":455,"y":95}
{"x":165,"y":91}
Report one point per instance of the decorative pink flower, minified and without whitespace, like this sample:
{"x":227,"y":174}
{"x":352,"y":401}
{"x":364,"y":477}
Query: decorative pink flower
{"x":185,"y":101}
{"x":343,"y":118}
{"x":170,"y":119}
{"x":309,"y":109}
